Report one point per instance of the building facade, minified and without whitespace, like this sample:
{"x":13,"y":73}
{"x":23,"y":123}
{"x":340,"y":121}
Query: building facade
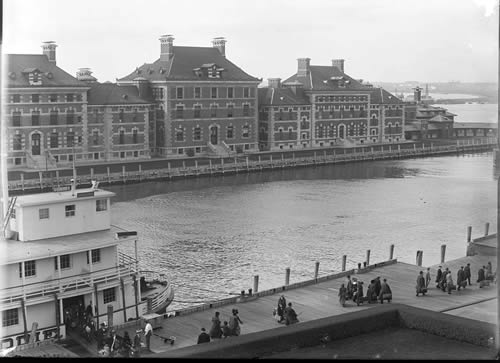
{"x":205,"y":104}
{"x":321,"y":106}
{"x":47,"y":115}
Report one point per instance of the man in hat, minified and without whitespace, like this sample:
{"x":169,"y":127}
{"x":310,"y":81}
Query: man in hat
{"x":100,"y":336}
{"x":439,"y":275}
{"x":467,"y":273}
{"x":203,"y":337}
{"x":148,"y":331}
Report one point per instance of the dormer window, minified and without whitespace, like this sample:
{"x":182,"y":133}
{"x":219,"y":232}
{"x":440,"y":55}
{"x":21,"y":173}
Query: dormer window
{"x":35,"y":79}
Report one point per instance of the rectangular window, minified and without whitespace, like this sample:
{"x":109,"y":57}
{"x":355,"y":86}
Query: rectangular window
{"x":109,"y":295}
{"x":70,"y":139}
{"x":17,"y":144}
{"x":197,"y":111}
{"x":29,"y":268}
{"x":101,"y":205}
{"x":122,"y":137}
{"x":230,"y":132}
{"x":16,"y":98}
{"x":70,"y":210}
{"x":230,"y":110}
{"x":53,"y":117}
{"x":96,"y":256}
{"x":35,"y":98}
{"x":43,"y":213}
{"x":65,"y":261}
{"x":230,"y":92}
{"x":53,"y":98}
{"x":35,"y":118}
{"x":245,"y":131}
{"x":121,"y":115}
{"x":54,"y":140}
{"x":10,"y":317}
{"x":197,"y":134}
{"x":179,"y":135}
{"x":135,"y":137}
{"x":246,"y":92}
{"x":95,"y":137}
{"x":180,"y":93}
{"x":179,"y":111}
{"x":197,"y":92}
{"x":246,"y":110}
{"x":70,"y":117}
{"x":214,"y":92}
{"x":69,"y":97}
{"x":213,"y":111}
{"x":16,"y":118}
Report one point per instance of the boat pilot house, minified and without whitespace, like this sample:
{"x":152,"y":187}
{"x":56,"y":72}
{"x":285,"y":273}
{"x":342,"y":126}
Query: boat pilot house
{"x":67,"y":270}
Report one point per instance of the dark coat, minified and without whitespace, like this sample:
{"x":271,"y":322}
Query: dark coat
{"x":439,"y":275}
{"x":480,"y":275}
{"x":467,"y":272}
{"x":203,"y":338}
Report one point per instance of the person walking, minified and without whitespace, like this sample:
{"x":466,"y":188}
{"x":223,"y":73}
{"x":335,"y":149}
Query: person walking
{"x":378,"y":286}
{"x":467,"y":273}
{"x":137,"y":343}
{"x":385,"y":292}
{"x":281,"y":308}
{"x":148,"y":331}
{"x":290,"y":315}
{"x":342,"y":295}
{"x":461,"y":278}
{"x":349,"y":287}
{"x":215,"y":329}
{"x":234,"y":323}
{"x":428,"y":277}
{"x":203,"y":337}
{"x":358,"y":295}
{"x":421,"y":284}
{"x":449,"y":282}
{"x":439,"y":277}
{"x":481,"y":276}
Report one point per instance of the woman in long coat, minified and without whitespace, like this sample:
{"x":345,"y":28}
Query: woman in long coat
{"x":215,"y":330}
{"x":342,"y":295}
{"x":421,"y":284}
{"x":281,"y":308}
{"x":234,"y":323}
{"x":449,"y":282}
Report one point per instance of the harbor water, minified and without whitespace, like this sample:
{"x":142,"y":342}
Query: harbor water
{"x":211,"y":235}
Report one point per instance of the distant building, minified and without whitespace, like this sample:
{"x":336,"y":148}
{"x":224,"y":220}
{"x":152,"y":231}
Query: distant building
{"x":205,"y":104}
{"x":54,"y":118}
{"x":322,"y":106}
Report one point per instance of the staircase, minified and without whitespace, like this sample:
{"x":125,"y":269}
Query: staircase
{"x":10,"y":208}
{"x":219,"y":150}
{"x":41,"y":162}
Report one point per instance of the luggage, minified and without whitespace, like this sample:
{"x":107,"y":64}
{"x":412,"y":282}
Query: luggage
{"x":387,"y":296}
{"x":484,"y":283}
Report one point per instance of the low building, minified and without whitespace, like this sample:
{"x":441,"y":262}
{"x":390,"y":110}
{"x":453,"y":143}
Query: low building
{"x":205,"y":104}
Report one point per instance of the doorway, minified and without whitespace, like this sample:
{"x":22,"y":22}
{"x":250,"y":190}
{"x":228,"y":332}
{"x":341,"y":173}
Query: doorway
{"x":35,"y":144}
{"x":214,"y":135}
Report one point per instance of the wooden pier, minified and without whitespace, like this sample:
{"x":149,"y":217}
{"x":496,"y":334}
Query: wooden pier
{"x":243,"y":164}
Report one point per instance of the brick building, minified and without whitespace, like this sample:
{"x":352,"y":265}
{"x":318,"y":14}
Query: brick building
{"x":51,"y":115}
{"x":205,"y":104}
{"x":335,"y":109}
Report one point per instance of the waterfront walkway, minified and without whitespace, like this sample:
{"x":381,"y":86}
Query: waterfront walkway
{"x":320,"y":300}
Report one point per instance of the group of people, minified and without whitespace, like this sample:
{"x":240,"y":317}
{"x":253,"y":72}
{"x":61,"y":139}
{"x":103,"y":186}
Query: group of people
{"x":444,"y":279}
{"x":377,"y":291}
{"x":485,"y":275}
{"x":110,"y":344}
{"x":285,"y":313}
{"x":221,"y":329}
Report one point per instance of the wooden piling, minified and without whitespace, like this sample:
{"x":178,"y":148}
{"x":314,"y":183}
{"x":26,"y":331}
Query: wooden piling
{"x":486,"y":228}
{"x":367,"y":257}
{"x":344,"y":260}
{"x":287,"y":276}
{"x":419,"y":257}
{"x":443,"y":253}
{"x":391,"y":252}
{"x":316,"y":270}
{"x":469,"y":233}
{"x":109,"y":174}
{"x":256,"y":283}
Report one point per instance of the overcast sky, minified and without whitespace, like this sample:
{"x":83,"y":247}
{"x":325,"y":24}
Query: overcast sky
{"x":380,"y":40}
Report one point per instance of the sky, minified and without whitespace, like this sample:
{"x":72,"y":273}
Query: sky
{"x":380,"y":40}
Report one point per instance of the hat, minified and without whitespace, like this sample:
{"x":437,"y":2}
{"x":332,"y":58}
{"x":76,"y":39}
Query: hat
{"x":202,"y":329}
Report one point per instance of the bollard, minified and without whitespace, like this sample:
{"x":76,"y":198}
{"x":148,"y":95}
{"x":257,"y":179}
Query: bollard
{"x":364,"y":264}
{"x":316,"y":270}
{"x":391,"y":252}
{"x":249,"y":292}
{"x":256,"y":283}
{"x":287,"y":276}
{"x":367,"y":257}
{"x":344,"y":260}
{"x":359,"y":265}
{"x":486,"y":228}
{"x":242,"y":292}
{"x":469,"y":233}
{"x":443,"y":252}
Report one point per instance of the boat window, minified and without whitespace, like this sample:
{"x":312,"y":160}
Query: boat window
{"x":43,"y":213}
{"x":109,"y":295}
{"x":10,"y":317}
{"x":70,"y":210}
{"x":101,"y":205}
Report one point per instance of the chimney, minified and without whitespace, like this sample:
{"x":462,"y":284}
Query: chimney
{"x":49,"y":49}
{"x":339,"y":63}
{"x":220,"y":44}
{"x":85,"y":75}
{"x":417,"y":94}
{"x":167,"y":47}
{"x":303,"y":67}
{"x":274,"y":82}
{"x":143,"y":87}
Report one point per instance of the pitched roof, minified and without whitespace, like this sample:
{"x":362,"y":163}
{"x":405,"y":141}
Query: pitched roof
{"x":281,"y":96}
{"x":181,"y":67}
{"x":19,"y":65}
{"x":321,"y":78}
{"x":112,"y":94}
{"x":440,"y":118}
{"x":381,"y":96}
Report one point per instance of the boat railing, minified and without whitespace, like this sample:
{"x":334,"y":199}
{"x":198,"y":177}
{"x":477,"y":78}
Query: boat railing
{"x":153,"y":276}
{"x":158,"y":298}
{"x":84,"y":280}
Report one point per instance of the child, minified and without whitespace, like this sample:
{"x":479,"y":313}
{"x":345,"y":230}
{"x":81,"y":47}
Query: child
{"x":225,"y":330}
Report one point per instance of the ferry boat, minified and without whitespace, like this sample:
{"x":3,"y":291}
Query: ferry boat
{"x":60,"y":252}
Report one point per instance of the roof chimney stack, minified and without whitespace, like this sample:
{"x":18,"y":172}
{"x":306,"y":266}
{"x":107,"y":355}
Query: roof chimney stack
{"x":85,"y":75}
{"x":49,"y":49}
{"x":220,"y":44}
{"x":274,"y":82}
{"x":339,"y":63}
{"x":167,"y":47}
{"x":303,"y":67}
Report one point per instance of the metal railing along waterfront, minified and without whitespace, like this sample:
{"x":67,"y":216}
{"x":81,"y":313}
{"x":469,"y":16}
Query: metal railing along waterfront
{"x":243,"y":164}
{"x":86,"y":280}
